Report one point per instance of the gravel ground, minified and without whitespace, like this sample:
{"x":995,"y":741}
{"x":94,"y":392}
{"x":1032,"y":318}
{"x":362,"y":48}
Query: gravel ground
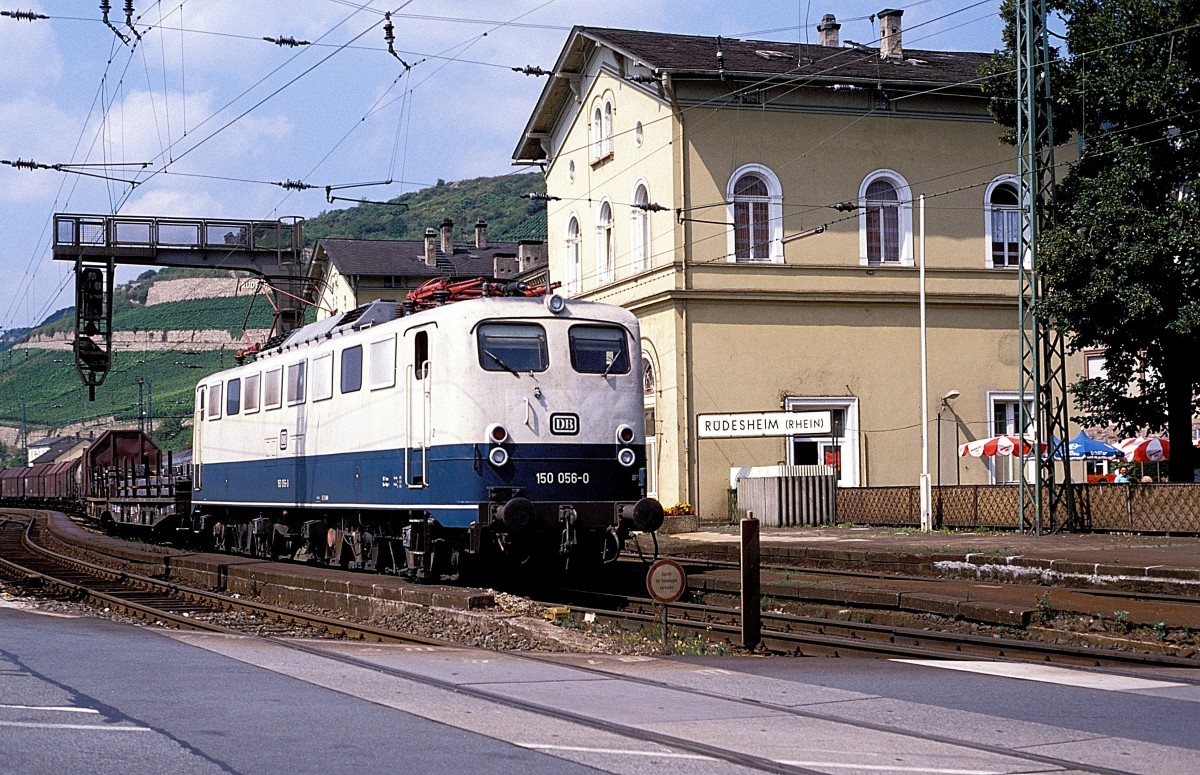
{"x":515,"y":624}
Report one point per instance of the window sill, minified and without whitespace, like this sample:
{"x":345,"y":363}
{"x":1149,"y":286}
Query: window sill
{"x":599,"y":160}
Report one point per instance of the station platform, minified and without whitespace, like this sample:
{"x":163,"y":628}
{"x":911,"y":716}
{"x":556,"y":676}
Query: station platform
{"x":1121,"y":584}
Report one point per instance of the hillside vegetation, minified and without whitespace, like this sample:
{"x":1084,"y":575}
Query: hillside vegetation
{"x":497,"y":201}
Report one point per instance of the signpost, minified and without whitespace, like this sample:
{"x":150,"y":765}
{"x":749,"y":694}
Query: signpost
{"x":751,"y":424}
{"x":666,"y":582}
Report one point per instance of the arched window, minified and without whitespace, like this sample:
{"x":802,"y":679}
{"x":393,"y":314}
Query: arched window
{"x":605,"y":248}
{"x":639,"y":229}
{"x":597,"y":133}
{"x":602,"y":127}
{"x":885,"y":220}
{"x":607,"y":127}
{"x":1002,"y":223}
{"x":572,"y":260}
{"x":756,"y":210}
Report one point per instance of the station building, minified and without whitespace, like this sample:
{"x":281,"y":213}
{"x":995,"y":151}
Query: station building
{"x":756,"y":205}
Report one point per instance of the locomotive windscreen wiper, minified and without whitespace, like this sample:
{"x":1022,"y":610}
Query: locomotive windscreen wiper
{"x":502,"y":364}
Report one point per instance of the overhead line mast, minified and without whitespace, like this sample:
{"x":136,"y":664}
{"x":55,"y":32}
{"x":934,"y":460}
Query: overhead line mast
{"x":1042,"y":402}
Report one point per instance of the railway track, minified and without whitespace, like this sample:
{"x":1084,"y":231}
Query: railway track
{"x":817,"y":636}
{"x":166,"y":603}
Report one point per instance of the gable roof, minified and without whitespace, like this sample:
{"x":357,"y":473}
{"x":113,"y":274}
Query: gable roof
{"x":382,"y":258}
{"x":694,"y":56}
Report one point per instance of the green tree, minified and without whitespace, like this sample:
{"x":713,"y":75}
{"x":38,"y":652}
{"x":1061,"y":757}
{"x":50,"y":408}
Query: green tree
{"x":1121,"y":251}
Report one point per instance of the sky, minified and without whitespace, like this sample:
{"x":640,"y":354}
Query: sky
{"x":207,"y":117}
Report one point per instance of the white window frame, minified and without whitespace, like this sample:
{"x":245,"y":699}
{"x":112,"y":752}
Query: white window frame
{"x":639,"y":228}
{"x":1004,"y":469}
{"x":251,"y":389}
{"x":295,"y":382}
{"x":381,"y":363}
{"x":597,"y":121}
{"x":321,"y":377}
{"x":273,"y":401}
{"x":904,"y":211}
{"x":601,"y":119}
{"x":573,"y":258}
{"x":215,"y":408}
{"x":606,"y":245}
{"x":847,"y":441}
{"x":774,"y":201}
{"x":650,"y":402}
{"x":988,"y":209}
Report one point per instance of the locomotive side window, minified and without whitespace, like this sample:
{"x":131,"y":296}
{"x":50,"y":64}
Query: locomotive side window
{"x":383,"y":363}
{"x":214,"y":406}
{"x":352,"y":369}
{"x":273,"y":389}
{"x":250,"y":396}
{"x":421,"y":354}
{"x":322,"y":377}
{"x":296,"y":382}
{"x":599,"y":350}
{"x":233,"y":397}
{"x":513,"y":347}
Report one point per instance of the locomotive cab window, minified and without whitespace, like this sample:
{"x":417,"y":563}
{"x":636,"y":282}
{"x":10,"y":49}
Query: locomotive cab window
{"x":233,"y":397}
{"x":513,"y":347}
{"x":599,"y":350}
{"x":421,"y":354}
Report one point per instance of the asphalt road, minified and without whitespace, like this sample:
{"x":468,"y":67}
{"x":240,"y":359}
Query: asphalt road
{"x":92,"y":696}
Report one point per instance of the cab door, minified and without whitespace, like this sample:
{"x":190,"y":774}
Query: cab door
{"x":417,"y":410}
{"x":198,"y":441}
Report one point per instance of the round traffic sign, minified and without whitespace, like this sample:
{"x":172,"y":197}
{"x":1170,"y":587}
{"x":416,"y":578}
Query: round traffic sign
{"x":665,"y":581}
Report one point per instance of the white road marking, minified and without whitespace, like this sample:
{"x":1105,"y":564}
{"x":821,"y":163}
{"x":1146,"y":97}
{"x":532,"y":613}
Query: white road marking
{"x":100,"y":727}
{"x":1047,"y":674}
{"x":60,"y":708}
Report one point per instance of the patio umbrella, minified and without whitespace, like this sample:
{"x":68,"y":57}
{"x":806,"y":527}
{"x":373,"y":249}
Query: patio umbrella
{"x":1140,"y":450}
{"x":1084,"y":447}
{"x":998,"y":445}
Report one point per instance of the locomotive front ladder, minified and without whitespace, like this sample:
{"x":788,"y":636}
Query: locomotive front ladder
{"x":97,"y":243}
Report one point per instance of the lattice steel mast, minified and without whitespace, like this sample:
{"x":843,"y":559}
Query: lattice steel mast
{"x":1042,"y":404}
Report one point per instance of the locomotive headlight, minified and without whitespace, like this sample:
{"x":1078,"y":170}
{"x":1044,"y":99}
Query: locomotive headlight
{"x":498,"y":456}
{"x":555,"y":303}
{"x":626,"y":457}
{"x":495,"y":434}
{"x":625,"y":434}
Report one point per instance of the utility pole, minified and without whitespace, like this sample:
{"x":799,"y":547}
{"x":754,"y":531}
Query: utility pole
{"x":141,"y":412}
{"x":1042,"y":402}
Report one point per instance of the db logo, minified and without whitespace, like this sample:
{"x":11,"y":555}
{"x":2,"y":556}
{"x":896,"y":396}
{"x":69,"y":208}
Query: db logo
{"x":564,"y":424}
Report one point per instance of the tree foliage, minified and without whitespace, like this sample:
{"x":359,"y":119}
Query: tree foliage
{"x":1120,"y":253}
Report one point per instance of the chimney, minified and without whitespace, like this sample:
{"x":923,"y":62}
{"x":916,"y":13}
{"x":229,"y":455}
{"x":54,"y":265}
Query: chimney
{"x":889,"y":34}
{"x":430,"y":247}
{"x":828,"y":28}
{"x":480,"y":234}
{"x":447,"y":236}
{"x":530,"y":253}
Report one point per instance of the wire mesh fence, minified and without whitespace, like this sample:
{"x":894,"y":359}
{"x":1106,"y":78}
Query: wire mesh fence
{"x":1102,"y":507}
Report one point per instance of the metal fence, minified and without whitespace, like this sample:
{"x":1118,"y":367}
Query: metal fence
{"x":1135,"y":507}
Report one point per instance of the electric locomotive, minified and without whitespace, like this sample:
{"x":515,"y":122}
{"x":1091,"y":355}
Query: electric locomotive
{"x":429,"y":437}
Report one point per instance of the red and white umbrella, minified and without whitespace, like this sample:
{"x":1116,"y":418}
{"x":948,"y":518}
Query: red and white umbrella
{"x":998,"y":445}
{"x":1141,"y":450}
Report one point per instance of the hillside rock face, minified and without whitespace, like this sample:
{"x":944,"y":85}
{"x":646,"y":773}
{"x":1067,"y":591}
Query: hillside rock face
{"x":153,"y":340}
{"x":165,"y":291}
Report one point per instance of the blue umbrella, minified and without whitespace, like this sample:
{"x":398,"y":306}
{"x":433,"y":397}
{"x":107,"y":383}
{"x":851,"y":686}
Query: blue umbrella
{"x":1083,"y":447}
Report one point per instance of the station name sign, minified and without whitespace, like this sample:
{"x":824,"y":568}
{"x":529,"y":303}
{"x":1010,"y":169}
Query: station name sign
{"x":751,"y":424}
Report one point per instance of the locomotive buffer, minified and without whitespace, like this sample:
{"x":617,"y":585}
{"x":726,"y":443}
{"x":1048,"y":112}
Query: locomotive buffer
{"x":97,"y":243}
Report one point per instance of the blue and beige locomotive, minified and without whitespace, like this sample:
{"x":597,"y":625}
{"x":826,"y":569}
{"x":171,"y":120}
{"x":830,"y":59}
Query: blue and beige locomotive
{"x":425,"y":440}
